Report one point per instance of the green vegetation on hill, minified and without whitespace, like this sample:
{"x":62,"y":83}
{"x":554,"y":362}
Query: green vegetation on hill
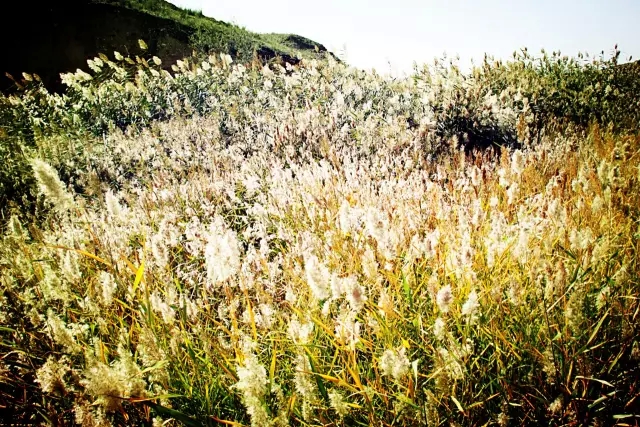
{"x":215,"y":35}
{"x":61,"y":36}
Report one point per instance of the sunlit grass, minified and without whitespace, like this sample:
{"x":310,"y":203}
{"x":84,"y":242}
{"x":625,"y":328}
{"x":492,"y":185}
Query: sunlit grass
{"x":285,"y":247}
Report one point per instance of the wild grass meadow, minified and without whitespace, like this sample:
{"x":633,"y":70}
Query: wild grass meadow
{"x":266,"y":245}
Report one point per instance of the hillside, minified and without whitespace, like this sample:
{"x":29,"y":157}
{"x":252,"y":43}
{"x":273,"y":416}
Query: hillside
{"x":62,"y":35}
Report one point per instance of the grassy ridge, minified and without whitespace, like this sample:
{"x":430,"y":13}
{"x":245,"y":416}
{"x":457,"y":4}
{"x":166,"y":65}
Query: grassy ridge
{"x":211,"y":34}
{"x":60,"y":37}
{"x":319,"y":245}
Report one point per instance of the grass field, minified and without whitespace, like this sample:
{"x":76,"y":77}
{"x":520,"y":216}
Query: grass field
{"x":319,"y":245}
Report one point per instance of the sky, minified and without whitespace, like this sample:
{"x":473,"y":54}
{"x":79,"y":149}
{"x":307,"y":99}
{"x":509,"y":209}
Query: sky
{"x":390,"y":35}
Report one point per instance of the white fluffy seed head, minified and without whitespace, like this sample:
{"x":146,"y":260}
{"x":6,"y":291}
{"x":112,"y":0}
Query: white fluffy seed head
{"x":439,"y":328}
{"x":300,"y":333}
{"x":394,"y":363}
{"x":51,"y":186}
{"x":338,"y":403}
{"x":470,"y":307}
{"x":318,"y":277}
{"x":444,"y":298}
{"x":222,"y":253}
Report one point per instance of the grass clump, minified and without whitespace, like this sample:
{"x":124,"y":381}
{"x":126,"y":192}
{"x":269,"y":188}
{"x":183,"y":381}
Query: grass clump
{"x":318,"y":245}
